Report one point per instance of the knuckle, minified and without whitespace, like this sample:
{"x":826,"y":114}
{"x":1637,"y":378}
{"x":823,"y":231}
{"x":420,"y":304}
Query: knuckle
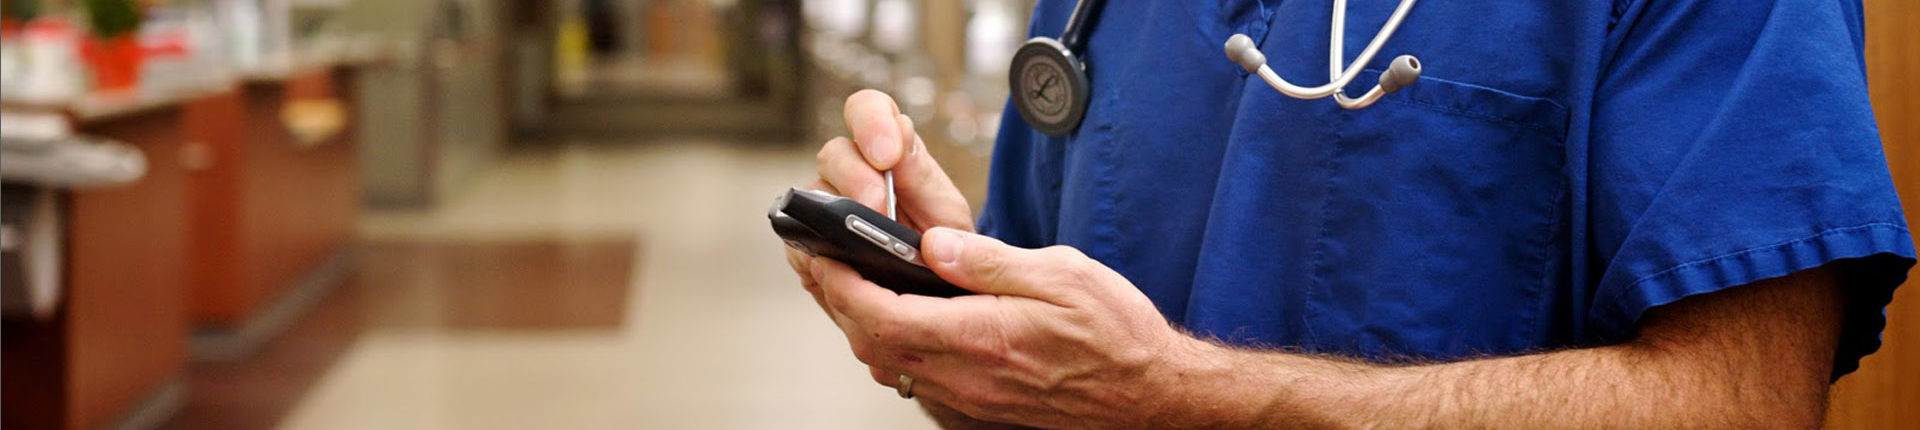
{"x":806,"y":278}
{"x":1073,"y":266}
{"x":985,"y":353}
{"x":834,"y":298}
{"x":798,"y":261}
{"x":880,"y":376}
{"x":824,"y":156}
{"x":1066,"y":253}
{"x":991,"y":267}
{"x":865,"y":351}
{"x":984,"y":343}
{"x":831,"y":156}
{"x":820,"y":183}
{"x":1078,"y":277}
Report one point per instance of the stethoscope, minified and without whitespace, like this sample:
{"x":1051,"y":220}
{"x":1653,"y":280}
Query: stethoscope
{"x":1049,"y":83}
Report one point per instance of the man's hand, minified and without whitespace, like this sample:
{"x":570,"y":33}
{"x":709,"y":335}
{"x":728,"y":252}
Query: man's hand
{"x":1058,"y":340}
{"x":1054,"y":340}
{"x":883,"y":140}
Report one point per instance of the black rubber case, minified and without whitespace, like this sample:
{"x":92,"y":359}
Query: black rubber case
{"x":883,"y":251}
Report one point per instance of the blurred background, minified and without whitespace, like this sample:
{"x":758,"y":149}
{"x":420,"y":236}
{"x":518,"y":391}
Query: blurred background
{"x":480,"y":214}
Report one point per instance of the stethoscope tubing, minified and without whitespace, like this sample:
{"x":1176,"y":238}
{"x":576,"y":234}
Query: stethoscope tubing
{"x":1339,"y":74}
{"x":1054,"y":58}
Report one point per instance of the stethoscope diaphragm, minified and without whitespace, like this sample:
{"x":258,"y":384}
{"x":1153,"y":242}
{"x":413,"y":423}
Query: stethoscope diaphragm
{"x":1049,"y":86}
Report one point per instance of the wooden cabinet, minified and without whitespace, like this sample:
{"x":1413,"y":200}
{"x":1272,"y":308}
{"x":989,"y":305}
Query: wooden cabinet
{"x":233,"y":209}
{"x":118,"y":340}
{"x":268,"y":208}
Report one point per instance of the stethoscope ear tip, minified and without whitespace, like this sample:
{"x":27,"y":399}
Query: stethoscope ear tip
{"x":1241,"y":50}
{"x":1403,"y":72}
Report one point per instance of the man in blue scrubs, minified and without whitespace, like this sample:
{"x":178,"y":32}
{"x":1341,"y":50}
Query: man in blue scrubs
{"x":1636,"y":213}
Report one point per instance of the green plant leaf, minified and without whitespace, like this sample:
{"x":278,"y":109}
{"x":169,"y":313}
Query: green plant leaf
{"x":113,"y":18}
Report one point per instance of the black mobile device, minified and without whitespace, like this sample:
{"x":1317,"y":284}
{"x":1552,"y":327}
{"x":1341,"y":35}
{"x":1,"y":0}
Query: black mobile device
{"x":839,"y":228}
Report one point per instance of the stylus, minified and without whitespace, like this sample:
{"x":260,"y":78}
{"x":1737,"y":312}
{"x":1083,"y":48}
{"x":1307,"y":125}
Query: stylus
{"x":890,"y":198}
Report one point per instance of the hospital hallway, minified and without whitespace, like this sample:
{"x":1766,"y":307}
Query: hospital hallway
{"x":583,"y":285}
{"x":456,"y":214}
{"x":553,"y":214}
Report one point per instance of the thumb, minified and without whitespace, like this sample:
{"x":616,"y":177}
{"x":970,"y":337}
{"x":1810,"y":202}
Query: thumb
{"x":988,"y":266}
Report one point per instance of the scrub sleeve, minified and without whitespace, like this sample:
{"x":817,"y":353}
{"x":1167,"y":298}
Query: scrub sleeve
{"x":1733,"y":142}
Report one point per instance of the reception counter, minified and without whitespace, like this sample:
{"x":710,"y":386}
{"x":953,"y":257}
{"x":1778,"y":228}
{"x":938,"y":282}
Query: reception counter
{"x":247,"y":202}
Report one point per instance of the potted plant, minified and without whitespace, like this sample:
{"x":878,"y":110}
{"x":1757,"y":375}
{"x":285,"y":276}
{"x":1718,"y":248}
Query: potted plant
{"x":14,"y":13}
{"x":114,"y":51}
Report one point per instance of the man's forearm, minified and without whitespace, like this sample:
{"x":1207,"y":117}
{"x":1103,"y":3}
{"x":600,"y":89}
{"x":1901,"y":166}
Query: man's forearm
{"x":1588,"y":388}
{"x":1757,"y":356}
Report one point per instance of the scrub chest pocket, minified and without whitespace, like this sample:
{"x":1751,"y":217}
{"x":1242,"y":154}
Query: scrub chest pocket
{"x":1475,"y":172}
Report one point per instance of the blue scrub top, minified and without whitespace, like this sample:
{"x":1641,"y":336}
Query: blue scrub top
{"x":1560,"y":168}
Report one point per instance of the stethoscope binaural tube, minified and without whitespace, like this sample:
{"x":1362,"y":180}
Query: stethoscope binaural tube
{"x":1074,"y":36}
{"x":1404,"y":70}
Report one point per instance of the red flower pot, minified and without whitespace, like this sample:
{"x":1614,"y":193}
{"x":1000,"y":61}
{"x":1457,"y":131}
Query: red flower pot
{"x":115,"y":62}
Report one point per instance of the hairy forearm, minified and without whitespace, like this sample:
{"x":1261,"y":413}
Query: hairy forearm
{"x":1757,"y":357}
{"x":1612,"y":387}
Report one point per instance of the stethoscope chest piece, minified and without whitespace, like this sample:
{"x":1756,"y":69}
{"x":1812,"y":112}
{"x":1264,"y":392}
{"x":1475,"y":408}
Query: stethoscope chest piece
{"x":1049,"y":86}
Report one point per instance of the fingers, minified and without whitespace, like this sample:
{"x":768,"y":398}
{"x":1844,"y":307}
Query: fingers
{"x":842,"y":167}
{"x":870,"y":117}
{"x":926,"y":193}
{"x":879,"y":320}
{"x":822,"y":185}
{"x":952,"y":383}
{"x":802,"y":264}
{"x":986,"y":265}
{"x":885,"y":140}
{"x":848,"y":293}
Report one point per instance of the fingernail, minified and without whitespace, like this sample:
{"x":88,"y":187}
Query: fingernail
{"x":947,"y":246}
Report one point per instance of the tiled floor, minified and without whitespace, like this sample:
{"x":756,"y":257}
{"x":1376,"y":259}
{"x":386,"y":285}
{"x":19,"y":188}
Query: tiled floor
{"x":709,"y":330}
